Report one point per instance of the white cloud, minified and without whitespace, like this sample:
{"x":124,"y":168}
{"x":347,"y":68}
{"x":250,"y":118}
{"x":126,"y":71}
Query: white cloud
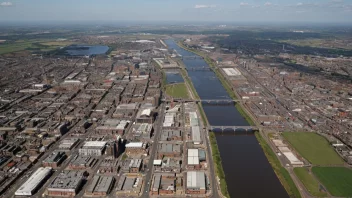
{"x":268,"y":4}
{"x":4,"y":4}
{"x":244,"y":4}
{"x":204,"y":6}
{"x":299,"y":4}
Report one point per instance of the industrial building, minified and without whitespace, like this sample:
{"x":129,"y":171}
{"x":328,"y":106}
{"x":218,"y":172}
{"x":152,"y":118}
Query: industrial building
{"x":79,"y":162}
{"x":193,"y":119}
{"x":92,"y":148}
{"x":130,"y":185}
{"x":163,"y":184}
{"x":68,"y":144}
{"x":169,"y":150}
{"x":54,"y":159}
{"x":136,"y":148}
{"x":145,"y":116}
{"x":171,"y":135}
{"x":112,"y":126}
{"x":132,"y":165}
{"x":231,"y":71}
{"x":169,"y":120}
{"x":195,"y":182}
{"x":66,"y":184}
{"x":196,"y":135}
{"x":100,"y":186}
{"x":193,"y":158}
{"x":167,"y":164}
{"x":34,"y":182}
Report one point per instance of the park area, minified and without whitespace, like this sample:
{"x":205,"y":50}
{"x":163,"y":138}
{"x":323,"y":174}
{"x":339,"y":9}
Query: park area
{"x":310,"y":182}
{"x":337,"y":180}
{"x":177,"y":90}
{"x":314,"y":148}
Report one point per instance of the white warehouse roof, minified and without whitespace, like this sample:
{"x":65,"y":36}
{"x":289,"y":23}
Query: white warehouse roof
{"x":231,"y":71}
{"x":33,"y":182}
{"x":193,"y":157}
{"x":195,"y":180}
{"x":134,"y":145}
{"x":98,"y":144}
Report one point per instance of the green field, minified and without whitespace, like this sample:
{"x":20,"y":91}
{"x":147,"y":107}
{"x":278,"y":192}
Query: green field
{"x":337,"y":180}
{"x":313,"y":147}
{"x":310,"y":182}
{"x":177,"y":90}
{"x":32,"y":45}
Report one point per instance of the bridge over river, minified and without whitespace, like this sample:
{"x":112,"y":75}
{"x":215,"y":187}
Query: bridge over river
{"x":233,"y":129}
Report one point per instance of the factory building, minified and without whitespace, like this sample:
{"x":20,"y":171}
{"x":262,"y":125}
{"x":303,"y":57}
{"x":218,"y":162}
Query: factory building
{"x":169,"y":120}
{"x":195,"y":183}
{"x":34,"y":182}
{"x":164,"y":184}
{"x":145,"y":116}
{"x":66,"y":184}
{"x":231,"y":71}
{"x":136,"y":148}
{"x":79,"y":162}
{"x":68,"y":144}
{"x":92,"y":148}
{"x":54,"y":159}
{"x":196,"y":135}
{"x":169,"y":150}
{"x":132,"y":165}
{"x":100,"y":186}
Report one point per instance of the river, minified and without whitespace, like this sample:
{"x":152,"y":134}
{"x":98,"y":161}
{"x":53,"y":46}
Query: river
{"x":248,"y":172}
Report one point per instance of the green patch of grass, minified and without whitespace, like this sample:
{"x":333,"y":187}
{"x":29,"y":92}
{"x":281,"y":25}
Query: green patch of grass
{"x":337,"y":180}
{"x":177,"y":90}
{"x":280,"y":171}
{"x":32,"y":45}
{"x":309,"y":181}
{"x":124,"y":156}
{"x":218,"y":166}
{"x":313,"y":147}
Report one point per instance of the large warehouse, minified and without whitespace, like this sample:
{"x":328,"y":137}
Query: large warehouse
{"x":92,"y":148}
{"x":34,"y":182}
{"x":195,"y":182}
{"x":231,"y":71}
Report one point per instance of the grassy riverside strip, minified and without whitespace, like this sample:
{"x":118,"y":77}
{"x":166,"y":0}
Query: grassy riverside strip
{"x":309,"y":181}
{"x":280,"y":171}
{"x":218,"y":166}
{"x":223,"y":81}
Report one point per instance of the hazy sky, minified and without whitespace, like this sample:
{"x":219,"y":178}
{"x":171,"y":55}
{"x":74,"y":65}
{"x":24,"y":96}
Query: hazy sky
{"x":178,"y":10}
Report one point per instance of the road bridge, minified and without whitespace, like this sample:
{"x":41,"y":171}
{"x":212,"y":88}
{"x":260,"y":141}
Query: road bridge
{"x":204,"y":68}
{"x":205,"y":101}
{"x":191,"y":57}
{"x":223,"y":129}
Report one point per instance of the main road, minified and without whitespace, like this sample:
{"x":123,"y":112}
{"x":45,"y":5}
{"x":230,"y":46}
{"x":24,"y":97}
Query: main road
{"x":158,"y":127}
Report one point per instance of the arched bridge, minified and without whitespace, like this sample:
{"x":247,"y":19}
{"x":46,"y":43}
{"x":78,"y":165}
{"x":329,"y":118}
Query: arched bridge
{"x":191,"y":57}
{"x":233,"y":128}
{"x":206,"y":102}
{"x":204,"y":68}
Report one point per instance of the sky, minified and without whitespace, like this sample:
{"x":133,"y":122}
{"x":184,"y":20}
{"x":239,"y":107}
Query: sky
{"x":330,"y":11}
